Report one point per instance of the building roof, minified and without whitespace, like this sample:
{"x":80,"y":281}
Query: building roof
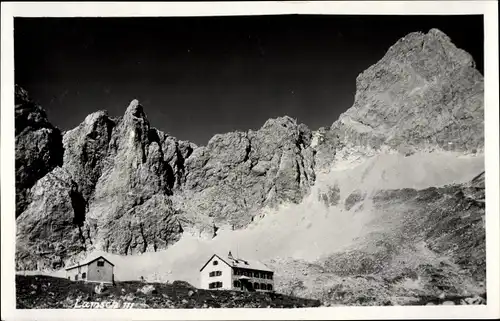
{"x":88,"y":261}
{"x":241,"y":263}
{"x":248,"y":264}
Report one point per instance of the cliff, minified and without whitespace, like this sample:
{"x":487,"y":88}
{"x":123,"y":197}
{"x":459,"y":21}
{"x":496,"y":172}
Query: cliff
{"x":122,"y":186}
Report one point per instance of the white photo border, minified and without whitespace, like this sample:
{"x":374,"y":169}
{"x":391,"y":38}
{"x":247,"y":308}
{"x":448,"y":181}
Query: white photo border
{"x":489,"y":10}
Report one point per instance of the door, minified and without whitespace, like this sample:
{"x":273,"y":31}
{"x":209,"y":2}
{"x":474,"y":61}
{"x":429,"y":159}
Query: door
{"x":246,"y":286}
{"x":101,"y":272}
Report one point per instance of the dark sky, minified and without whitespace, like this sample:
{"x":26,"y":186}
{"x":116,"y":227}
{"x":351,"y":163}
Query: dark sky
{"x":198,"y":76}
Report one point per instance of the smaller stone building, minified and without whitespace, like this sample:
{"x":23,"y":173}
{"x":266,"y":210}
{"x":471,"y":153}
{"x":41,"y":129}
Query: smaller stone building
{"x":97,"y":269}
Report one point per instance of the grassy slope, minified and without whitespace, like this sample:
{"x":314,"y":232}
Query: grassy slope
{"x":46,"y":292}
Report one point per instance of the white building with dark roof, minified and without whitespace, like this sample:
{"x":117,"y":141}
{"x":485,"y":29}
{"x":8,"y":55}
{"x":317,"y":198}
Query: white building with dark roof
{"x":230,"y":273}
{"x":97,"y":269}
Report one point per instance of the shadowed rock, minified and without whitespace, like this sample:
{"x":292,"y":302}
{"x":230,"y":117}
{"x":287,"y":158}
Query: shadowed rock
{"x":38,"y":146}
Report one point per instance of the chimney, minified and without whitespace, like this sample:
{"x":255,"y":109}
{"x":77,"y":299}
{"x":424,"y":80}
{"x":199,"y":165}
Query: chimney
{"x":230,"y":255}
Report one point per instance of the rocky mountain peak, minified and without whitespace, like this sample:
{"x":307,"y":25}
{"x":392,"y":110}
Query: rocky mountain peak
{"x":284,"y":121}
{"x":135,"y":109}
{"x":126,"y":187}
{"x":95,"y":117}
{"x":424,"y":94}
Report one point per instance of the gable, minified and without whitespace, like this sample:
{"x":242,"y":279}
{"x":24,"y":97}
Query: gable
{"x":96,"y":261}
{"x":101,"y":257}
{"x":211,"y":259}
{"x":88,"y":262}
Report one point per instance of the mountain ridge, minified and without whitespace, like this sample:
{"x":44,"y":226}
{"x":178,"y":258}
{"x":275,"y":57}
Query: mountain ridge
{"x":125,"y":187}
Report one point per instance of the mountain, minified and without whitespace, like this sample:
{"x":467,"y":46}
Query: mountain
{"x":126,"y":187}
{"x":423,"y":95}
{"x":38,"y":146}
{"x":337,"y":206}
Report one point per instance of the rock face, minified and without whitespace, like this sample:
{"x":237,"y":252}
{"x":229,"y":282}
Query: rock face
{"x":175,"y":153}
{"x":126,"y":187}
{"x":38,"y":146}
{"x":50,"y":227}
{"x":111,"y":193}
{"x":85,"y":150}
{"x":424,"y":94}
{"x":130,"y":209}
{"x":238,"y":173}
{"x":115,"y":190}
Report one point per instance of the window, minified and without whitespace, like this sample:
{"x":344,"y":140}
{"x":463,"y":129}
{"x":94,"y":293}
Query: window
{"x":215,"y":285}
{"x":216,"y":262}
{"x":100,"y":263}
{"x":269,"y":287}
{"x":236,"y":272}
{"x":255,"y":274}
{"x":76,"y":277}
{"x":270,"y":276}
{"x":237,"y":284}
{"x":215,"y":273}
{"x":263,"y":286}
{"x":84,"y":275}
{"x":256,"y":286}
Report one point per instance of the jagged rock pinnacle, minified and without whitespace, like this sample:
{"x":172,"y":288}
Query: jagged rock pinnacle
{"x":135,"y":109}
